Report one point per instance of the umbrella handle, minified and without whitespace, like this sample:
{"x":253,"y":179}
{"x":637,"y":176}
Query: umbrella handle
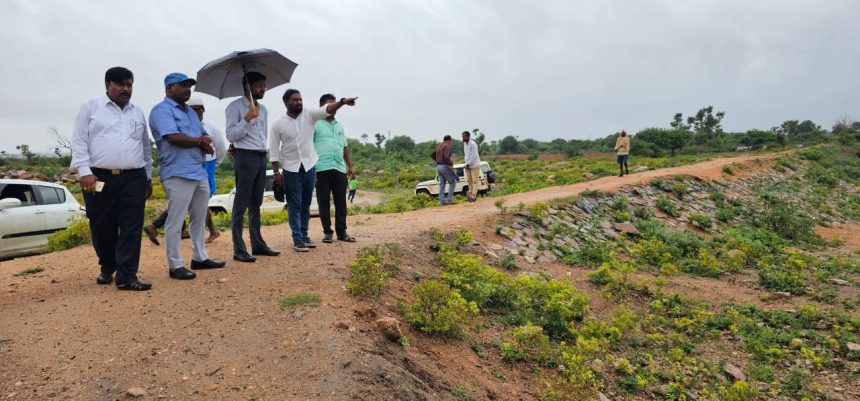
{"x":248,"y":86}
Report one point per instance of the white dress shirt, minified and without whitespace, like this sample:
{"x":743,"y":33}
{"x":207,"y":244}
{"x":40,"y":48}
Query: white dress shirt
{"x":109,"y":137}
{"x":243,"y":134}
{"x":470,"y":153}
{"x":291,"y":141}
{"x":219,"y":142}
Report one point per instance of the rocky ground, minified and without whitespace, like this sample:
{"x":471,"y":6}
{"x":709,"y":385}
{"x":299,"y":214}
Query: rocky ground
{"x":224,"y":336}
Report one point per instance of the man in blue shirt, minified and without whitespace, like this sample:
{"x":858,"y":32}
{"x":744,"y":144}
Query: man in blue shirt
{"x":182,"y":143}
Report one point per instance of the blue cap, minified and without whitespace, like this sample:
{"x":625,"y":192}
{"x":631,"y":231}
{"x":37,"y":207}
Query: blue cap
{"x":177,"y":77}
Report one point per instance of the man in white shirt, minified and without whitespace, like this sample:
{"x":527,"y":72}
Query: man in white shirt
{"x":113,"y":155}
{"x":473,"y":165}
{"x":291,"y":142}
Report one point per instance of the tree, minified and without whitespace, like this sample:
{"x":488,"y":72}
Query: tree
{"x":62,"y":141}
{"x":509,"y":145}
{"x":706,"y":123}
{"x":364,"y":138}
{"x":29,"y":156}
{"x":379,"y":139}
{"x":478,"y":136}
{"x":678,"y":122}
{"x":400,"y":143}
{"x":672,"y":140}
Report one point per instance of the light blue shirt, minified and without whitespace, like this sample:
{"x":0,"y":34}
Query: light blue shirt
{"x":247,"y":135}
{"x":166,"y":118}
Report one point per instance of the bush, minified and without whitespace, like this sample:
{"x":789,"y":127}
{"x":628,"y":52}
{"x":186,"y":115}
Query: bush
{"x":785,"y":220}
{"x":784,"y":274}
{"x":665,"y":205}
{"x":549,"y":303}
{"x":77,"y":233}
{"x":437,"y":308}
{"x":474,"y":280}
{"x":526,"y":343}
{"x":367,"y":274}
{"x":538,"y":211}
{"x":680,"y":189}
{"x":589,"y":254}
{"x":509,"y":262}
{"x":700,"y":220}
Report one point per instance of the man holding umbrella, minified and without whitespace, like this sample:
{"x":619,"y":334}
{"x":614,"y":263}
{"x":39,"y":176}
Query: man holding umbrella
{"x":292,"y":143}
{"x":247,"y":125}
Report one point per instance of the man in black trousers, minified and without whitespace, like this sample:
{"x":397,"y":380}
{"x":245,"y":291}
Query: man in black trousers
{"x":247,"y":130}
{"x":333,"y":167}
{"x":112,"y":153}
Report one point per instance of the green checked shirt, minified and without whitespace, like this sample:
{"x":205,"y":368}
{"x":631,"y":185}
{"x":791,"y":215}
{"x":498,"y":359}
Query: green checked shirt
{"x":329,"y":141}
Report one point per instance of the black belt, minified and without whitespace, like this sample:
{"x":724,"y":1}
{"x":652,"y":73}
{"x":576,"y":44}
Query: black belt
{"x":252,"y":151}
{"x":115,"y":171}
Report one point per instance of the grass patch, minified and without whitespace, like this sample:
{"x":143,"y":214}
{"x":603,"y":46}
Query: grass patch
{"x":303,"y":299}
{"x":33,"y":270}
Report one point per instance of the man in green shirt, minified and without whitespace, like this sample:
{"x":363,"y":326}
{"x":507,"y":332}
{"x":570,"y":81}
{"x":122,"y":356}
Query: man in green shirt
{"x":332,"y":169}
{"x":353,"y":185}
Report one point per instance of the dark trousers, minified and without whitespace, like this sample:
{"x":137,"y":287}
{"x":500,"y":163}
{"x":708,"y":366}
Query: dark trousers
{"x":250,"y":174}
{"x":351,"y":195}
{"x":116,"y":221}
{"x":332,"y":183}
{"x":161,"y":219}
{"x":299,"y":191}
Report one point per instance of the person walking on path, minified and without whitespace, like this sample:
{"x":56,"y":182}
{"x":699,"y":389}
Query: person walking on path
{"x":445,"y":171}
{"x":333,"y":168}
{"x":353,"y":186}
{"x":113,"y":155}
{"x":182,"y":143}
{"x":219,"y":142}
{"x":472,"y":165}
{"x":292,"y":143}
{"x":247,"y":125}
{"x":622,"y":149}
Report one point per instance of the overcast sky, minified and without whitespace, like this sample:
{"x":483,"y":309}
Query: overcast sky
{"x":425,"y":68}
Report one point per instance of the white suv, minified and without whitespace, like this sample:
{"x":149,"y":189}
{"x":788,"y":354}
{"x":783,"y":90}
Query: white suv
{"x":485,"y":182}
{"x":29,"y":212}
{"x":224,"y":203}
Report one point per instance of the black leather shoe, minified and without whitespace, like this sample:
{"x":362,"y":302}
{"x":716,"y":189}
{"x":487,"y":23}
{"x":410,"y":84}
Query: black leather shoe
{"x":135,"y":285}
{"x":244,"y":257}
{"x":207,"y":264}
{"x":182,"y":274}
{"x":104,"y":279}
{"x":265,"y":252}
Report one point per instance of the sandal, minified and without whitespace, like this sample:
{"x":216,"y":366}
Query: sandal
{"x":346,"y":238}
{"x":327,"y":239}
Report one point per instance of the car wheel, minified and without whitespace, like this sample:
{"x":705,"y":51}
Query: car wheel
{"x":423,"y":191}
{"x":466,"y":191}
{"x":217,"y":210}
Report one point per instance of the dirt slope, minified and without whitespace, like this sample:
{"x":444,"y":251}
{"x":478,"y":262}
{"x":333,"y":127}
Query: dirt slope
{"x":223,"y":336}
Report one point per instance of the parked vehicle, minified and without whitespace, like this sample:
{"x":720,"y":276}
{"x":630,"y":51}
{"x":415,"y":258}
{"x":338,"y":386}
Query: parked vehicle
{"x":30,"y":211}
{"x":224,"y":203}
{"x":485,"y":182}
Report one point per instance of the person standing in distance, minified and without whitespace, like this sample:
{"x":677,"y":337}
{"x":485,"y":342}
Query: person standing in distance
{"x":247,"y":125}
{"x":472,"y":165}
{"x":113,"y":155}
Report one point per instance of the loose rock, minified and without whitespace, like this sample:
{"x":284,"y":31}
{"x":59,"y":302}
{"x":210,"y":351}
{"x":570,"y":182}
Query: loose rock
{"x":389,"y":327}
{"x":135,"y":392}
{"x":735,"y":372}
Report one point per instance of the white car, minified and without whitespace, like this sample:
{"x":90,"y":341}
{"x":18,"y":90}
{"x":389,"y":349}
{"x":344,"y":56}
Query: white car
{"x":224,"y":203}
{"x":29,"y":212}
{"x":485,"y":182}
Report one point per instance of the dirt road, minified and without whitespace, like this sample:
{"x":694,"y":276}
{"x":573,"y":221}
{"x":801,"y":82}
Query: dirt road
{"x":223,"y":336}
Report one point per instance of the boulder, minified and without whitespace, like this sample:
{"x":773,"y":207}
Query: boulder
{"x":389,"y":327}
{"x":735,"y":372}
{"x":135,"y":392}
{"x":628,"y":229}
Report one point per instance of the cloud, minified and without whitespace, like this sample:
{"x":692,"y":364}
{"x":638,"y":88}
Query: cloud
{"x":539,"y":69}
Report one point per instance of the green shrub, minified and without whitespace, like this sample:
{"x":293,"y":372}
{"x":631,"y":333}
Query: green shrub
{"x":474,"y":280}
{"x":790,"y":274}
{"x":724,"y":214}
{"x":549,"y":303}
{"x":702,"y":220}
{"x":706,"y":265}
{"x":680,"y":189}
{"x":612,"y":276}
{"x":367,"y":274}
{"x":739,"y":391}
{"x":728,"y":170}
{"x":300,"y":300}
{"x":526,"y":343}
{"x":509,"y":262}
{"x":77,"y":233}
{"x":589,"y":254}
{"x":651,"y":251}
{"x":538,"y":211}
{"x":437,"y":308}
{"x":665,"y":205}
{"x":643,"y":213}
{"x":785,"y":220}
{"x":619,"y":204}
